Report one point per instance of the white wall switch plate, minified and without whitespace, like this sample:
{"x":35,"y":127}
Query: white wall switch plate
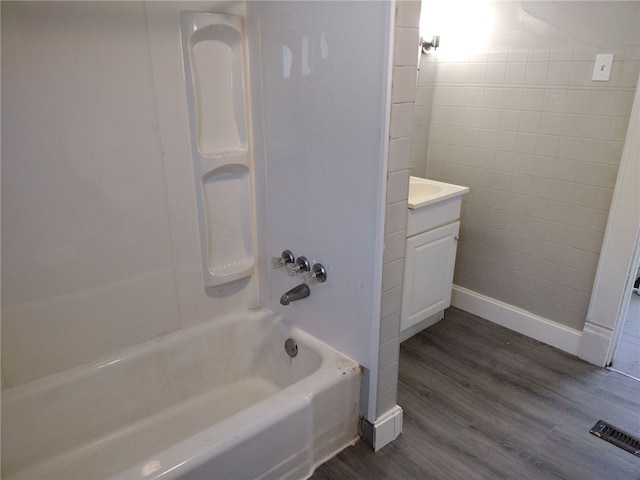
{"x":602,"y":68}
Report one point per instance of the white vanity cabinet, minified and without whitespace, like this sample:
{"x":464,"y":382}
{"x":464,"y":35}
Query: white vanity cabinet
{"x":432,"y":239}
{"x":428,"y":274}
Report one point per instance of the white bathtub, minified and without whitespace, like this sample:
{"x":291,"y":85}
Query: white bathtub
{"x":221,"y":400}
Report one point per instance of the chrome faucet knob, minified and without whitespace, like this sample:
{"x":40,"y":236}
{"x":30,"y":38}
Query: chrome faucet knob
{"x":301,"y":265}
{"x":318,"y":274}
{"x":285,"y":258}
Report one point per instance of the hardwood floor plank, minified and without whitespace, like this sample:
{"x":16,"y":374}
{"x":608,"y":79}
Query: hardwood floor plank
{"x":481,"y":401}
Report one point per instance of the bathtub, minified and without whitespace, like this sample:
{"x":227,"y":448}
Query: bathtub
{"x":219,"y":400}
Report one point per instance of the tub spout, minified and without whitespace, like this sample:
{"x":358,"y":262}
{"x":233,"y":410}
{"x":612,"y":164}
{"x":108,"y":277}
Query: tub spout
{"x":296,"y":293}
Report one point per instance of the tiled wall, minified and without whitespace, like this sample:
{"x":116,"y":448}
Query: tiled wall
{"x":539,"y":144}
{"x":403,"y":92}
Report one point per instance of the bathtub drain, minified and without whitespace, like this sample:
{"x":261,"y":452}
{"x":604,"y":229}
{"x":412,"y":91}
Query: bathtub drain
{"x":291,"y":347}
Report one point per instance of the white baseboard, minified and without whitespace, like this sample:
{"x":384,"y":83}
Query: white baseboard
{"x":385,"y":429}
{"x":514,"y":318}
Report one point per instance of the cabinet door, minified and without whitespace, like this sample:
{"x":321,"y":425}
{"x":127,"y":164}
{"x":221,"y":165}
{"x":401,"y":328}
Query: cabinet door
{"x":428,"y":273}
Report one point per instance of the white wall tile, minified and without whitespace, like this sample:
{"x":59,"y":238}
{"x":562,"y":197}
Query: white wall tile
{"x":404,"y":84}
{"x":401,"y":119}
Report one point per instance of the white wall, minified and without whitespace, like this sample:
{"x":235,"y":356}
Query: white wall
{"x":321,"y":160}
{"x":100,"y":243}
{"x":514,"y":114}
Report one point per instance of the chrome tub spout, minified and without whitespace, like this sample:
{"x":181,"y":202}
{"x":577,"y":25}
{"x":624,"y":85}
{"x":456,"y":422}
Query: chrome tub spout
{"x":296,"y":293}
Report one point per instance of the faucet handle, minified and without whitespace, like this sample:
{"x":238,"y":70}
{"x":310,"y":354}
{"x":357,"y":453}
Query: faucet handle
{"x":285,"y":258}
{"x":318,"y":274}
{"x":301,"y":265}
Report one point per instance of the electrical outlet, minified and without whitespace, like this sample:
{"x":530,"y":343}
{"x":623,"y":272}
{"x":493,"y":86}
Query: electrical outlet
{"x":602,"y":68}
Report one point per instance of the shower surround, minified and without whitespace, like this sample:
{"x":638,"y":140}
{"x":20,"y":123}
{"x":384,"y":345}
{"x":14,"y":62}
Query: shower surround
{"x":104,"y":249}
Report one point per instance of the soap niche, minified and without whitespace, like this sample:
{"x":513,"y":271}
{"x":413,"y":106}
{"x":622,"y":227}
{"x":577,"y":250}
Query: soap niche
{"x":213,"y":52}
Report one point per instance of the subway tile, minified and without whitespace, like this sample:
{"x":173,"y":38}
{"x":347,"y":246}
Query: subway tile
{"x":421,"y":117}
{"x":397,"y":186}
{"x":497,"y":56}
{"x":585,"y":55}
{"x":577,"y":101}
{"x":526,"y":142}
{"x":569,"y":317}
{"x":550,"y":123}
{"x":512,"y":98}
{"x":517,"y":203}
{"x":539,"y":55}
{"x":491,"y":118}
{"x":569,"y":147}
{"x":389,"y":354}
{"x":561,"y":55}
{"x":581,"y":73}
{"x":554,"y":100}
{"x":536,"y":73}
{"x":517,"y":55}
{"x":592,"y":150}
{"x":479,"y":57}
{"x":588,"y":240}
{"x":561,"y":191}
{"x":541,"y":187}
{"x":547,"y":145}
{"x":427,"y":72}
{"x":588,"y":173}
{"x":573,"y":125}
{"x":586,"y":282}
{"x":391,"y":302}
{"x":396,"y":217}
{"x":394,"y":246}
{"x":632,"y":53}
{"x":512,"y":241}
{"x":399,"y":153}
{"x":601,"y":103}
{"x":623,"y":103}
{"x":629,"y":75}
{"x":603,"y":198}
{"x":532,"y":99}
{"x":515,"y":73}
{"x":401,"y":120}
{"x":529,"y":122}
{"x":618,"y":128}
{"x":424,"y":95}
{"x":558,"y":73}
{"x":613,"y":152}
{"x":477,"y":73}
{"x":509,"y":120}
{"x":474,"y":96}
{"x":492,"y":97}
{"x":386,"y":400}
{"x":597,"y":127}
{"x":404,"y":84}
{"x":587,"y":218}
{"x":388,"y":377}
{"x":389,"y":328}
{"x":392,"y":275}
{"x":405,"y":46}
{"x":608,"y":176}
{"x":495,"y":73}
{"x":408,"y":13}
{"x":503,"y":162}
{"x":543,"y":167}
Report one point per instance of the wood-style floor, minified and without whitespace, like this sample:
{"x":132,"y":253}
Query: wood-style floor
{"x":481,"y":401}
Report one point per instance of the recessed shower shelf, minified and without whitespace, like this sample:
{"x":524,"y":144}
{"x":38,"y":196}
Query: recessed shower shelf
{"x":213,"y":52}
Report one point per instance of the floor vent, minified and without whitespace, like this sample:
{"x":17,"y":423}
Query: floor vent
{"x":616,"y":436}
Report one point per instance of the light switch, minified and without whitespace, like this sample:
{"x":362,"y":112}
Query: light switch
{"x":602,"y":68}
